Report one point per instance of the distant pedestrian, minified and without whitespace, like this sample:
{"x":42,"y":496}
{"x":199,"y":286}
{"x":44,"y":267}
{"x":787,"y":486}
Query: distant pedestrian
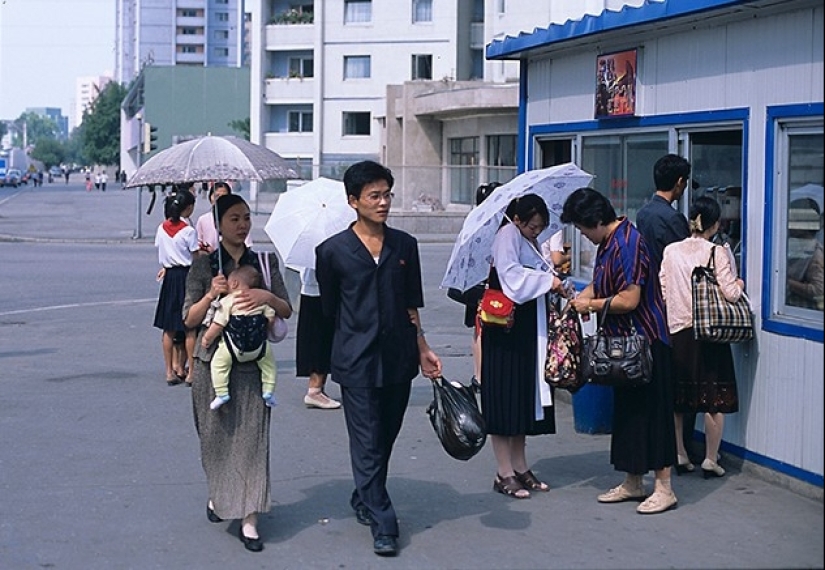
{"x":66,"y":174}
{"x":123,"y":179}
{"x":97,"y":181}
{"x":88,"y":181}
{"x":104,"y":178}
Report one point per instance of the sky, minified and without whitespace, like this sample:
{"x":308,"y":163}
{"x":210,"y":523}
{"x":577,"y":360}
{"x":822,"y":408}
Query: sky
{"x":45,"y":45}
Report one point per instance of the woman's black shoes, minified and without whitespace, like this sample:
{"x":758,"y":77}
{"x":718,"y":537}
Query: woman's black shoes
{"x":251,"y":544}
{"x":210,"y":514}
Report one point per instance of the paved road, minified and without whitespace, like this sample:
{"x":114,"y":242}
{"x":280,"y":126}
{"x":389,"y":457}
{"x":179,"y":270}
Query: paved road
{"x":99,"y":464}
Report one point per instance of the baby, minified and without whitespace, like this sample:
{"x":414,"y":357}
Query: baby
{"x":242,"y":337}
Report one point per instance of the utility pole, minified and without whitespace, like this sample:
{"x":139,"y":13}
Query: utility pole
{"x":138,"y":189}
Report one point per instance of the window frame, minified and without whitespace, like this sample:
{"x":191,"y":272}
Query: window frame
{"x":297,"y":66}
{"x":348,"y":69}
{"x":419,"y":59}
{"x":351,"y":119}
{"x":419,"y":6}
{"x":350,"y":13}
{"x":782,"y":123}
{"x":301,"y":119}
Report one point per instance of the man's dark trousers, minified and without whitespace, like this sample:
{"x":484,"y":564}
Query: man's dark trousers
{"x":374,"y":417}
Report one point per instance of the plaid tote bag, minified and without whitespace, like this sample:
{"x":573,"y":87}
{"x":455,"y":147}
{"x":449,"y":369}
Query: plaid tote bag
{"x":715,"y":319}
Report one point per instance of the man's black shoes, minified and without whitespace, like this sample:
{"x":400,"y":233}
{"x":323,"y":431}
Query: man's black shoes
{"x":385,"y":545}
{"x":363,"y":515}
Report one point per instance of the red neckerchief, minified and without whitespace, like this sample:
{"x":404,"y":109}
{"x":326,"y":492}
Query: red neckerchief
{"x":172,"y":228}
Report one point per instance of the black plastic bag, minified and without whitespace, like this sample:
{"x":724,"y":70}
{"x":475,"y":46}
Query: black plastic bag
{"x":456,"y":419}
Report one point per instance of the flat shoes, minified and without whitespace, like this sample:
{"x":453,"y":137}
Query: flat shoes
{"x":251,"y":544}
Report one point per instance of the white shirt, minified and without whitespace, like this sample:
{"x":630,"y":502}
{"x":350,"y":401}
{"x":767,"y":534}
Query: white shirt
{"x":178,"y":249}
{"x":525,"y":275}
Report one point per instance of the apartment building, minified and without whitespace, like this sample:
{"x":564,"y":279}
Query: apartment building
{"x":403,"y":82}
{"x":86,"y":91}
{"x":204,"y":33}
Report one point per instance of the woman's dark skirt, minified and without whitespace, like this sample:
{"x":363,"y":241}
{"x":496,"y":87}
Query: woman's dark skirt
{"x":508,"y":378}
{"x":644,"y":436}
{"x":314,"y":338}
{"x":705,"y":379}
{"x":169,"y":310}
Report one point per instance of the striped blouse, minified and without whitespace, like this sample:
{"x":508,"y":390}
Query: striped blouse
{"x":623,"y":260}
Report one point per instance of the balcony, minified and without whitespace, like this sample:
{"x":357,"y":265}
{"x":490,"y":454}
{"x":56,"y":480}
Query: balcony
{"x":190,"y":58}
{"x":290,"y":144}
{"x":281,"y":90}
{"x":190,"y":39}
{"x":477,"y":35}
{"x":289,"y":37}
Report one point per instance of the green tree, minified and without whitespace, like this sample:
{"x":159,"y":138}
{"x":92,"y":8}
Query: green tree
{"x":37,"y":127}
{"x":74,"y":147}
{"x":3,"y":129}
{"x":101,"y":126}
{"x":48,"y":151}
{"x":241,"y":126}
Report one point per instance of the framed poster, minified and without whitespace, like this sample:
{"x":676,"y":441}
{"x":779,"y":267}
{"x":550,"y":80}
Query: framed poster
{"x":616,"y":84}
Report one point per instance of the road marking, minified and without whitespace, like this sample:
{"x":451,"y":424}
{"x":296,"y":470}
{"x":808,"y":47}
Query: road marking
{"x":79,"y":305}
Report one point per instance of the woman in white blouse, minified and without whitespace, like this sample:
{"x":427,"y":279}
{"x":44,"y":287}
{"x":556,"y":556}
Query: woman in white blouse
{"x":704,"y":376}
{"x":515,"y":400}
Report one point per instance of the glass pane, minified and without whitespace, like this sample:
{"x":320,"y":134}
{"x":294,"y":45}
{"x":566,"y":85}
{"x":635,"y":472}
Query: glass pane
{"x":716,"y":171}
{"x":804,"y":253}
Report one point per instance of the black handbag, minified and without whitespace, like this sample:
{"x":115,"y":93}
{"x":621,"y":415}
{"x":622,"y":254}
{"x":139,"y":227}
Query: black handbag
{"x":618,"y":361}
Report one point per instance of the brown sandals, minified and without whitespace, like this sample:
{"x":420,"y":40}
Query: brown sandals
{"x":510,"y":486}
{"x":529,"y":481}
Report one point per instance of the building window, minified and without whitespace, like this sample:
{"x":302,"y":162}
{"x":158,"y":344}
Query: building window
{"x":301,"y":67}
{"x":356,"y":67}
{"x":222,"y":16}
{"x":422,"y":11}
{"x":221,"y":52}
{"x":464,"y":175}
{"x":357,"y":123}
{"x":187,"y":13}
{"x":501,"y":6}
{"x":357,"y":11}
{"x":188,"y":31}
{"x":188,"y":49}
{"x":501,"y":158}
{"x":622,"y":166}
{"x":793,"y":304}
{"x":221,"y":34}
{"x":221,"y":1}
{"x":299,"y":121}
{"x":422,"y":66}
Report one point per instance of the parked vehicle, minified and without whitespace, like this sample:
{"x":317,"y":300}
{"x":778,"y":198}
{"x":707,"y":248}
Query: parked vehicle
{"x":56,"y":171}
{"x":12,"y":177}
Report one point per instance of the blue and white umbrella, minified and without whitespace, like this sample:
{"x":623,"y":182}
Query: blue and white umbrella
{"x":470,"y":260}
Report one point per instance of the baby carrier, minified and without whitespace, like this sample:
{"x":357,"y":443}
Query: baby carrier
{"x":245,"y":334}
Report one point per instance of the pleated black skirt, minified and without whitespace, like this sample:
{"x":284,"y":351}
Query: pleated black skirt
{"x":508,"y":378}
{"x":169,"y":310}
{"x":313,"y":343}
{"x":705,"y":379}
{"x":643,"y":436}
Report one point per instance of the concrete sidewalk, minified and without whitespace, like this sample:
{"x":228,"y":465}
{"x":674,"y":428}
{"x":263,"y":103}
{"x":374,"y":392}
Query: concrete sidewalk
{"x":99,"y":461}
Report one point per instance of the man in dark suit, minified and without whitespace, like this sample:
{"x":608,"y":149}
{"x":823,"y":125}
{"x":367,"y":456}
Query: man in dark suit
{"x":369,"y":278}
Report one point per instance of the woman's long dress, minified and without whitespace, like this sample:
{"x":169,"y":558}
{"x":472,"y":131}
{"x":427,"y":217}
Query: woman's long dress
{"x":234,"y":439}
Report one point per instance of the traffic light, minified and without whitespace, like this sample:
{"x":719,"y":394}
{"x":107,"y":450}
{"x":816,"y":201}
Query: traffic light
{"x":150,"y":138}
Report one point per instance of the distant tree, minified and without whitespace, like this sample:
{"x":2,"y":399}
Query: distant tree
{"x":36,"y":127}
{"x":241,"y":126}
{"x":48,"y":151}
{"x":74,"y":147}
{"x":3,"y":129}
{"x":101,"y":126}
